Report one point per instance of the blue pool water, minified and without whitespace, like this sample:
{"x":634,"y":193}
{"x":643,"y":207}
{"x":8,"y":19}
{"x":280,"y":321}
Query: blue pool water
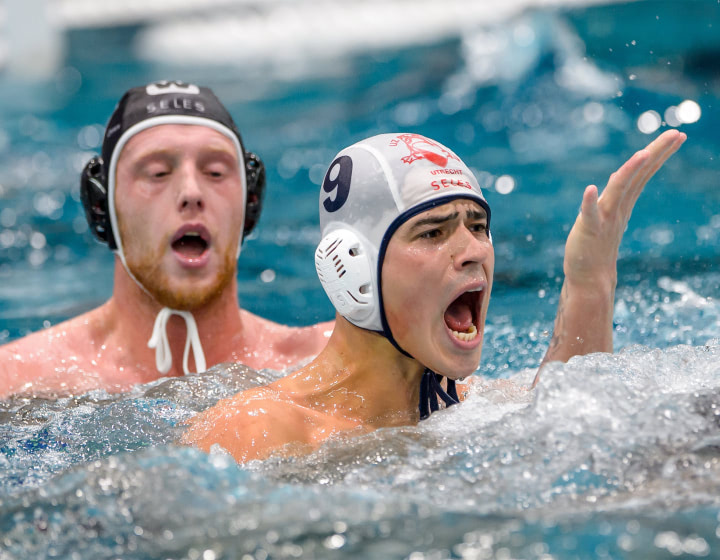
{"x":611,"y":457}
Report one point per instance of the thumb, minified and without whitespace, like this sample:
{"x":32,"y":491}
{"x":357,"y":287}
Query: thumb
{"x":589,"y":206}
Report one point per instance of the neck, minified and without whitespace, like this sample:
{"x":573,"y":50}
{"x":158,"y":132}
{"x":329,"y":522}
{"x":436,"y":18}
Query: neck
{"x":135,"y":311}
{"x":362,"y":376}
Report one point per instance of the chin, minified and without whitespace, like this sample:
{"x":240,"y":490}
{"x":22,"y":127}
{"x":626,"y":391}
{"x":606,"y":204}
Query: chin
{"x":453,"y":369}
{"x":185,"y":293}
{"x":185,"y":297}
{"x":463,"y":366}
{"x":449,"y":362}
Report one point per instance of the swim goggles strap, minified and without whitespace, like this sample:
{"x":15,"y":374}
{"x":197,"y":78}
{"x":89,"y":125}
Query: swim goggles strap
{"x":159,"y":341}
{"x":430,"y":390}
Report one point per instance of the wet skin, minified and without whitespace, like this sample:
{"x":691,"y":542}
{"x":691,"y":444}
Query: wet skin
{"x":433,"y":260}
{"x":178,"y":198}
{"x":360,"y":381}
{"x":180,"y":207}
{"x":106,"y":347}
{"x":584,"y":321}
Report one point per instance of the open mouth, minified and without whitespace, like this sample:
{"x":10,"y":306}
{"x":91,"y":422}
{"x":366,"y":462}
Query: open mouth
{"x":191,"y":243}
{"x":462,"y":315}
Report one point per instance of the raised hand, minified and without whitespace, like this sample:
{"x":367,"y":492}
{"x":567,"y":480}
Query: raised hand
{"x":584,"y":320}
{"x":592,"y":245}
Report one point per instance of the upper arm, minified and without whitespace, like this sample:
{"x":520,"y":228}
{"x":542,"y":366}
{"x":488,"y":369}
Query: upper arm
{"x":247,"y":431}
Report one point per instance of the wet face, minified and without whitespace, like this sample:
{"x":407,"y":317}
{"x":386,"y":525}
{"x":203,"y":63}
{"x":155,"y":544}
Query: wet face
{"x":436,"y":282}
{"x":179,"y":204}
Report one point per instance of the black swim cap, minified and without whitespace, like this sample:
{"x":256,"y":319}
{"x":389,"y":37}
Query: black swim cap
{"x":163,"y":98}
{"x":158,"y":103}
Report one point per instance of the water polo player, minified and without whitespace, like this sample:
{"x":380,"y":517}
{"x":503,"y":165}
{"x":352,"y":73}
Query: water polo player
{"x":407,"y":260}
{"x":173,"y":195}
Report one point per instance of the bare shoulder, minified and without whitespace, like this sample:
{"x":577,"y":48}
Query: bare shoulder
{"x":71,"y":334}
{"x":290,"y":345}
{"x":312,"y":338}
{"x":282,"y":332}
{"x":48,"y":353}
{"x":252,"y":425}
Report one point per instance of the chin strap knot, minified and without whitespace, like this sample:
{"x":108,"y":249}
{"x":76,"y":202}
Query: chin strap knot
{"x":159,"y":341}
{"x":430,"y":390}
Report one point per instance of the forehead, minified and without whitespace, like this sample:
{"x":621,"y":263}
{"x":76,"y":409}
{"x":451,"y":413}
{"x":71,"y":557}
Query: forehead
{"x":175,"y":137}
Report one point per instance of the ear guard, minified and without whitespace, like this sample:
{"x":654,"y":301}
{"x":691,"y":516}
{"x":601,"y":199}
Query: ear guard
{"x":255,"y":191}
{"x":344,"y":268}
{"x":94,"y":196}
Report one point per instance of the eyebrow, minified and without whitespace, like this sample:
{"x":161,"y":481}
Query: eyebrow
{"x":477,"y":215}
{"x":437,"y":220}
{"x":157,"y":153}
{"x":140,"y":163}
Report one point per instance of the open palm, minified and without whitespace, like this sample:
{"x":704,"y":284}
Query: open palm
{"x":592,"y":246}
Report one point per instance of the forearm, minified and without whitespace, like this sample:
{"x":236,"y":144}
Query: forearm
{"x":584,"y":322}
{"x":585,"y":313}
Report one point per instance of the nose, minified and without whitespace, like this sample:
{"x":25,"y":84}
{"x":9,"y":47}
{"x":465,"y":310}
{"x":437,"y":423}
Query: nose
{"x":469,"y":248}
{"x":190,"y":193}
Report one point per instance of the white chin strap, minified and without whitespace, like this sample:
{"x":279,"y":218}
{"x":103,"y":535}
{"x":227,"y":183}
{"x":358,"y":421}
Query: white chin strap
{"x":159,"y":341}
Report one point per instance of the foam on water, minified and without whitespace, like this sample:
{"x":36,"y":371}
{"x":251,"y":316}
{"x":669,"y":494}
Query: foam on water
{"x":39,"y":438}
{"x":609,"y":445}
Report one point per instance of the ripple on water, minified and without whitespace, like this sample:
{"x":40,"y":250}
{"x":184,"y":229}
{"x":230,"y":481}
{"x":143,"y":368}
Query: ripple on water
{"x":605,"y":442}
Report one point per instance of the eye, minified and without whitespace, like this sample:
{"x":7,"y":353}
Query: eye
{"x":430,"y":233}
{"x":479,"y":227}
{"x":217,"y":170}
{"x":157,"y":170}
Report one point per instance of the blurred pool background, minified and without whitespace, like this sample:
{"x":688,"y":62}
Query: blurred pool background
{"x":613,"y":457}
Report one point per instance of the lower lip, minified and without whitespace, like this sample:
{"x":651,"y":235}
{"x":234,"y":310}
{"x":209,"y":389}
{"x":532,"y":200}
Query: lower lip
{"x":193,"y":262}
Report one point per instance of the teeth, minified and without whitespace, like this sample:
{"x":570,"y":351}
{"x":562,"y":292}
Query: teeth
{"x":192,"y":234}
{"x":466,"y":336}
{"x":476,"y":289}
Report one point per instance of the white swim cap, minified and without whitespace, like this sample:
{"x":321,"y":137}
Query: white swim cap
{"x":371,"y":189}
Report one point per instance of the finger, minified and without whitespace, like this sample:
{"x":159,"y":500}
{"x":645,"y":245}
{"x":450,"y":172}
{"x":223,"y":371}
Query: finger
{"x":630,"y":179}
{"x":659,"y":154}
{"x":660,"y":150}
{"x":589,"y":207}
{"x":621,"y":180}
{"x":664,"y":140}
{"x":589,"y":200}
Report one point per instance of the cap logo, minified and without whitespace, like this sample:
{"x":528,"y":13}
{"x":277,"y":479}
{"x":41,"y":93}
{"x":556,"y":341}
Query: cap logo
{"x":113,"y":129}
{"x":424,"y":148}
{"x":161,"y":88}
{"x":175,"y":103}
